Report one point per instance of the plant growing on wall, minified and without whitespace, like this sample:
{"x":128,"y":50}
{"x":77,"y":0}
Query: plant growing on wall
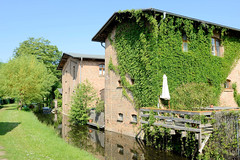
{"x":149,"y":46}
{"x":82,"y":98}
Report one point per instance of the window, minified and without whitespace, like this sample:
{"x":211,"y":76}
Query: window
{"x":74,"y":73}
{"x":215,"y":47}
{"x":185,"y":43}
{"x":119,"y":83}
{"x":134,"y":118}
{"x":227,"y":84}
{"x":120,"y":117}
{"x":120,"y":149}
{"x":101,"y":69}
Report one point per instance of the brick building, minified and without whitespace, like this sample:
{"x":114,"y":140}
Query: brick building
{"x":120,"y":113}
{"x":76,"y":68}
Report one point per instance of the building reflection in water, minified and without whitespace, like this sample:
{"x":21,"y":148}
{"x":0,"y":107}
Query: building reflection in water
{"x":109,"y":145}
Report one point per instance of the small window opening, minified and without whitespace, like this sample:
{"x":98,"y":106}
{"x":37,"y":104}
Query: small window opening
{"x":74,"y":73}
{"x":101,"y":69}
{"x":227,"y":84}
{"x":132,"y":80}
{"x":134,"y":155}
{"x":120,"y":117}
{"x":134,"y":118}
{"x":119,"y":83}
{"x":184,"y":43}
{"x":120,"y":149}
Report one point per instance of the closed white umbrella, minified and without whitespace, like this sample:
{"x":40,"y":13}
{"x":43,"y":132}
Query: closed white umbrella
{"x":165,"y":91}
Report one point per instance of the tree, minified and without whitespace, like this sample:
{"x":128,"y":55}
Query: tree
{"x":41,"y":48}
{"x":82,"y":98}
{"x":26,"y":79}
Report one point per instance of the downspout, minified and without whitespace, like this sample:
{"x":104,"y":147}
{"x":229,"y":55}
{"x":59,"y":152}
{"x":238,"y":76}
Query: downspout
{"x":164,"y":16}
{"x":81,"y":69}
{"x":103,"y":45}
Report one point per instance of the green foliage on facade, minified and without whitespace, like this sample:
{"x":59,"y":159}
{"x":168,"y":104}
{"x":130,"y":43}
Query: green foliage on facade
{"x":236,"y":95}
{"x":193,"y":96}
{"x":26,"y":79}
{"x":149,"y":46}
{"x":223,"y":142}
{"x":82,"y":98}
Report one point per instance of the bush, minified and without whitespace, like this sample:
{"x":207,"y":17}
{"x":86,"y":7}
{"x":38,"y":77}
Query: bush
{"x":82,"y":98}
{"x":193,"y":96}
{"x":99,"y":106}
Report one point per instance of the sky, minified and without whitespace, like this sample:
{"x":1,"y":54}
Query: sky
{"x":71,"y":24}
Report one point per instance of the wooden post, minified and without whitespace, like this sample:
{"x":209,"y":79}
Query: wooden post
{"x":200,"y":142}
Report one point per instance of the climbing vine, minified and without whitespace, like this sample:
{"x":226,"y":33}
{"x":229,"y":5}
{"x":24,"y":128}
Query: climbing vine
{"x":149,"y":46}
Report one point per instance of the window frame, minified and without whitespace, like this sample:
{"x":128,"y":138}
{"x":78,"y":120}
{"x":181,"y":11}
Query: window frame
{"x":101,"y":69}
{"x":217,"y":51}
{"x":184,"y":41}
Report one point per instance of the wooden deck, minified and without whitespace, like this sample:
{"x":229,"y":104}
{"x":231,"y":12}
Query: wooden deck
{"x":183,"y":120}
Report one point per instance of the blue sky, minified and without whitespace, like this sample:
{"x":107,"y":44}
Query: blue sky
{"x":71,"y":24}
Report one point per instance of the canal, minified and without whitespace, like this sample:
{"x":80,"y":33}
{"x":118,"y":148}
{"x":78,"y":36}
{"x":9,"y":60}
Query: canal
{"x":106,"y":145}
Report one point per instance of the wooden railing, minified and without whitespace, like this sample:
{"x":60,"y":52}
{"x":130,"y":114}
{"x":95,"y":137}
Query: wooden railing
{"x":178,"y":120}
{"x":181,"y":120}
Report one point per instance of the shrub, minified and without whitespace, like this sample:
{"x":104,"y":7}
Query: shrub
{"x":82,"y":98}
{"x":193,"y":96}
{"x":99,"y":106}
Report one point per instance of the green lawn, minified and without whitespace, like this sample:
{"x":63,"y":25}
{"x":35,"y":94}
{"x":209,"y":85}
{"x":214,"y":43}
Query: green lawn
{"x":25,"y":138}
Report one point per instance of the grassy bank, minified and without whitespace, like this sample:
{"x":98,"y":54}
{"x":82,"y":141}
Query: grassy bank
{"x":24,"y":137}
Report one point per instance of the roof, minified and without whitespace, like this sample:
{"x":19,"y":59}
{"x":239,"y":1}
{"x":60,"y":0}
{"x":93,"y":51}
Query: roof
{"x":65,"y":57}
{"x":107,"y":27}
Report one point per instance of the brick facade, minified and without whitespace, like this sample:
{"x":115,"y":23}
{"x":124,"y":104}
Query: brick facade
{"x":226,"y":98}
{"x":85,"y":69}
{"x":115,"y":102}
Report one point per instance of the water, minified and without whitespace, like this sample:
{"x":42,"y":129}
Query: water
{"x":107,"y":145}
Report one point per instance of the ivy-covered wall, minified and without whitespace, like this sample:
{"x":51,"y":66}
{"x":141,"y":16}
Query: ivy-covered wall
{"x":149,"y":46}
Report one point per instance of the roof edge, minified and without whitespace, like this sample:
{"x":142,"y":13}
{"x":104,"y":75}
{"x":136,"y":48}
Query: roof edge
{"x":112,"y":18}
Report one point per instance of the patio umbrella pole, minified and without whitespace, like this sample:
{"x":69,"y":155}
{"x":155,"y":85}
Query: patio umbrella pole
{"x":169,"y":104}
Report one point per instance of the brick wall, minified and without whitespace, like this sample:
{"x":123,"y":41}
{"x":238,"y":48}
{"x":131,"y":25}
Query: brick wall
{"x":87,"y":69}
{"x":226,"y":98}
{"x":115,"y":102}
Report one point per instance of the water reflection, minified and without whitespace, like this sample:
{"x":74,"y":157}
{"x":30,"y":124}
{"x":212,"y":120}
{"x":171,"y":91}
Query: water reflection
{"x":109,"y":145}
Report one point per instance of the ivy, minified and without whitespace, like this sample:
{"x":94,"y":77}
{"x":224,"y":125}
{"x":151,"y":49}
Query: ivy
{"x":149,"y":46}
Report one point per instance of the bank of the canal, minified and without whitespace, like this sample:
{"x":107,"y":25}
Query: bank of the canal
{"x":24,"y":137}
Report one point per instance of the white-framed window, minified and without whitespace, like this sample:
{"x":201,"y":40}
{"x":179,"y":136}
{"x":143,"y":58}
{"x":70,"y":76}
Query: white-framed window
{"x":215,"y":46}
{"x":101,"y":69}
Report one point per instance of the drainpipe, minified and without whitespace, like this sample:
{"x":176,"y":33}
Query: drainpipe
{"x":81,"y":70}
{"x":102,"y":45}
{"x":164,"y":16}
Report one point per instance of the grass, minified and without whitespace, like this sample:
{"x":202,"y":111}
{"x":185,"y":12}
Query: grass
{"x":25,"y":138}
